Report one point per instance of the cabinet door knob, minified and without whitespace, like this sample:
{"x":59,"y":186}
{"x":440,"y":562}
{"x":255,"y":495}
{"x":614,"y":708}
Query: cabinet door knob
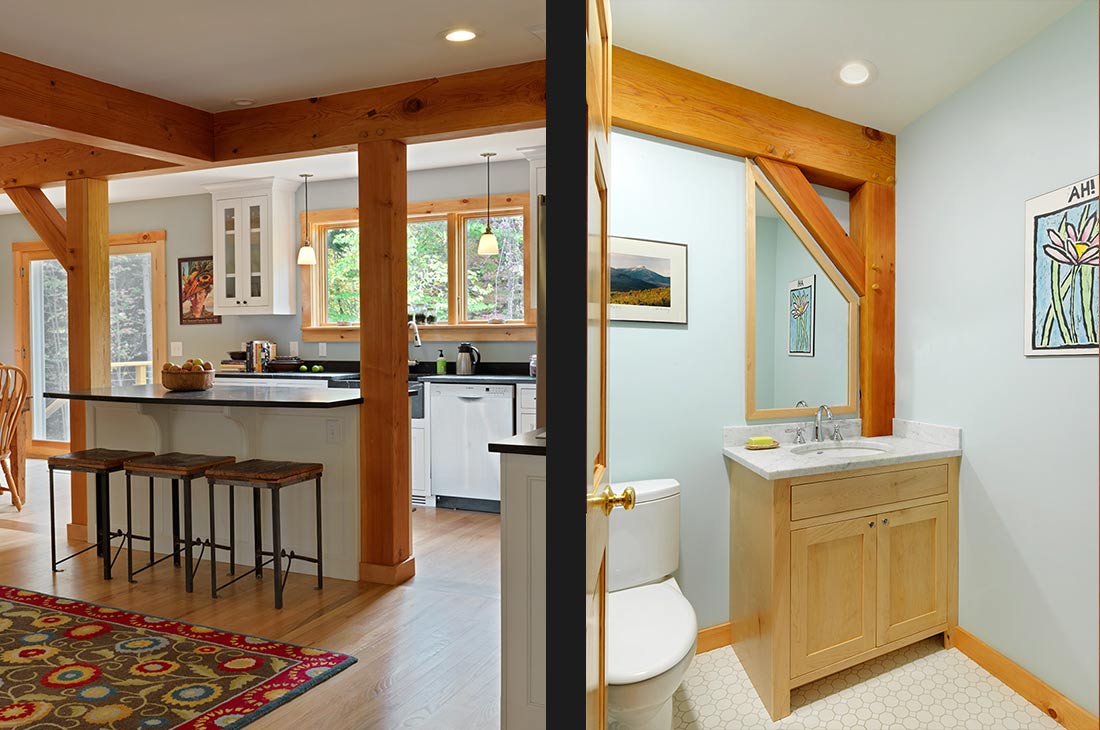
{"x":885,"y":521}
{"x":871,"y":524}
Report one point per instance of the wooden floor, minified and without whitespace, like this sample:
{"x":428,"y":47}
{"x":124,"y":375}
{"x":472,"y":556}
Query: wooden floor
{"x":429,"y":650}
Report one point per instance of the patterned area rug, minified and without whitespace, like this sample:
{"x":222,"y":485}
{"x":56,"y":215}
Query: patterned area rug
{"x":66,"y":664}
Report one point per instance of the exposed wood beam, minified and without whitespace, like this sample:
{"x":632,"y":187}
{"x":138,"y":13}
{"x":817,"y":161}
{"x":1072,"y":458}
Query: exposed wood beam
{"x":53,"y":160}
{"x":384,"y":420}
{"x":818,"y":219}
{"x":64,"y":105}
{"x":872,"y":226}
{"x":45,"y":220}
{"x":496,"y":99}
{"x":89,"y":310}
{"x":658,"y":98}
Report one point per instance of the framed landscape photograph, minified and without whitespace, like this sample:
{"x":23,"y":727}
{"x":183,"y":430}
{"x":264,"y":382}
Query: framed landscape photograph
{"x":648,"y":281}
{"x":800,"y":330}
{"x":196,"y":279}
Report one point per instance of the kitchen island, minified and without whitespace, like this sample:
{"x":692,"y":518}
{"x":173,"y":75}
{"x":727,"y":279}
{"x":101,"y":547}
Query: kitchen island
{"x":248,"y":422}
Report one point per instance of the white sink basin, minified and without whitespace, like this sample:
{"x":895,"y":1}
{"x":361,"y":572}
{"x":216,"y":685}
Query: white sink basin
{"x":842,"y":449}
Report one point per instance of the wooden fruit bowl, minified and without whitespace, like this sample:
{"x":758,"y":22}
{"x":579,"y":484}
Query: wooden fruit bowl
{"x":194,"y":380}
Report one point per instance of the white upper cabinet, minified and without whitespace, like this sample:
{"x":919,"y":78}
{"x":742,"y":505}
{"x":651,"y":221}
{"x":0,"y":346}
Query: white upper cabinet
{"x":254,"y":247}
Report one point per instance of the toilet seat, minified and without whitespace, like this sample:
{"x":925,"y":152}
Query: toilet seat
{"x":650,"y":630}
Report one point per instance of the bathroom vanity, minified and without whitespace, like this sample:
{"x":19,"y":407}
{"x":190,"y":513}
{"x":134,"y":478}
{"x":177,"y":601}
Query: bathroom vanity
{"x":840,"y":552}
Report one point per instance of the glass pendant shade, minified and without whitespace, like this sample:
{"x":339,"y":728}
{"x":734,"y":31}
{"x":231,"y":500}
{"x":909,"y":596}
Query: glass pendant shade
{"x":307,"y":256}
{"x":487,"y":245}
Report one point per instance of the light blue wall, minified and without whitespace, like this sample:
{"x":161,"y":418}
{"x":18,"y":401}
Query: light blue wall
{"x":187,"y":220}
{"x":1028,"y":490}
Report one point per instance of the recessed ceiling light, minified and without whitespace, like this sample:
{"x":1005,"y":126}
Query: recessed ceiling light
{"x":243,"y":102}
{"x":460,"y":35}
{"x":856,"y":73}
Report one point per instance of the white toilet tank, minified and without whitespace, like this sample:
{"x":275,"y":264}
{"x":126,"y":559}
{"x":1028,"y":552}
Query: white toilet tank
{"x":644,"y":543}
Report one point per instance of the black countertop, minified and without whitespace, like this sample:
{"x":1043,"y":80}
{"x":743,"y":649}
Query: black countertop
{"x":476,"y":379}
{"x":222,"y":394}
{"x":288,"y":376}
{"x":532,"y":442}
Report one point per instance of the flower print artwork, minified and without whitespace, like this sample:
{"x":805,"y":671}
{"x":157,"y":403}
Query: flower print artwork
{"x":800,"y":337}
{"x":1063,"y":259}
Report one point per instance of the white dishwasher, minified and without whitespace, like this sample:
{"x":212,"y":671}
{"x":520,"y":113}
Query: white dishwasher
{"x":465,"y":418}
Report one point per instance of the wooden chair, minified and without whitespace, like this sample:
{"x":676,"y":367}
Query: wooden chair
{"x":13,"y":393}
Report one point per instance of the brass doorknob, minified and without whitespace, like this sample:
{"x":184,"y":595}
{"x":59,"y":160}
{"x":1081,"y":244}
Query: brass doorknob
{"x":606,"y":500}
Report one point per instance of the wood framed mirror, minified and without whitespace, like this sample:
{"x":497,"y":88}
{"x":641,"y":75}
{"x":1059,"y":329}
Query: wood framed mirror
{"x":802,"y":316}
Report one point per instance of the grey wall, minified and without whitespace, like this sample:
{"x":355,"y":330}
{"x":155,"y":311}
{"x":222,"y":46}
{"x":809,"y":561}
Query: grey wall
{"x":188,"y":222}
{"x":1028,"y":489}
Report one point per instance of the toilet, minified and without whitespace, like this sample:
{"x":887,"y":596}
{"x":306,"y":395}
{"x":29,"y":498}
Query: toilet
{"x":651,"y":627}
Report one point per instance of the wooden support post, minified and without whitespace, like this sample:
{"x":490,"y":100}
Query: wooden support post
{"x":385,"y":496}
{"x":872,"y":229}
{"x":89,"y":314}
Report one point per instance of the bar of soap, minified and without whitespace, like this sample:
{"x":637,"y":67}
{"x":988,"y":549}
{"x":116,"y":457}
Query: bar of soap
{"x":761,"y":440}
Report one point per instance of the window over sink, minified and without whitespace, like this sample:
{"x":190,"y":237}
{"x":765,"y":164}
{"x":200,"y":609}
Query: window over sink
{"x":453,"y":292}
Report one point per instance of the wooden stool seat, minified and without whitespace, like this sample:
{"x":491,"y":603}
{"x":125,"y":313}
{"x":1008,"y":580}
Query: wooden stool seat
{"x":265,"y":473}
{"x":175,"y":464}
{"x":95,"y":460}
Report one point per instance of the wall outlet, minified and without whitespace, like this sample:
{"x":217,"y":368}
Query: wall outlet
{"x":322,"y":349}
{"x":176,"y":349}
{"x":333,"y":432}
{"x":293,"y":348}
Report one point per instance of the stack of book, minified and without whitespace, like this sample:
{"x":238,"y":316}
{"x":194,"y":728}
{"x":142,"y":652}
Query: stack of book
{"x":232,"y":366}
{"x":258,"y":354}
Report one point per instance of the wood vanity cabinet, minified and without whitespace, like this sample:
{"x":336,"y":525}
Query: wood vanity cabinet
{"x":830,"y":570}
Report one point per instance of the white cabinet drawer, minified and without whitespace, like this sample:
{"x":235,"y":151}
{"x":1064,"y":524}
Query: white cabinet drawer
{"x":525,"y":397}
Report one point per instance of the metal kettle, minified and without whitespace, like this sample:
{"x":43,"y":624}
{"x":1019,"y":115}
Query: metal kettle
{"x":468,"y":358}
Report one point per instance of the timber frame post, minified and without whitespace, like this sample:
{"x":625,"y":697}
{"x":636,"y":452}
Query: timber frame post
{"x":794,"y":147}
{"x":385,"y":497}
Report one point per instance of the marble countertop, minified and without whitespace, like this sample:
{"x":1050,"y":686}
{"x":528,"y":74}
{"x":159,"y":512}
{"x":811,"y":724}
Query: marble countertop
{"x":912,"y":441}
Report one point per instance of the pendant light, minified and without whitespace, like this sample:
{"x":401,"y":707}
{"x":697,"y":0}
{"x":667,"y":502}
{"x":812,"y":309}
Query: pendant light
{"x":487,"y":246}
{"x":306,"y":255}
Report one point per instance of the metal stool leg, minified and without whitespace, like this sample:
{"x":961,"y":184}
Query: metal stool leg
{"x":257,"y":532}
{"x":129,"y":532}
{"x":277,"y":547}
{"x":320,"y":567}
{"x":152,"y":524}
{"x":53,"y":527}
{"x":103,"y":486}
{"x":189,"y":579}
{"x":213,"y":549}
{"x":98,"y":516}
{"x":232,"y":529}
{"x":176,"y":522}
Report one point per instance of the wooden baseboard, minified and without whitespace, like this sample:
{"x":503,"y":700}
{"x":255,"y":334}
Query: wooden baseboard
{"x":1034,"y":690}
{"x":714,"y":637}
{"x":390,"y":575}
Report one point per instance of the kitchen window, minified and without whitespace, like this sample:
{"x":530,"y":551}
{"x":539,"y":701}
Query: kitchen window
{"x":453,"y":292}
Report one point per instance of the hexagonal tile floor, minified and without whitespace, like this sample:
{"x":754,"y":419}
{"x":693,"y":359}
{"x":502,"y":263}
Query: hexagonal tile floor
{"x":920,"y":687}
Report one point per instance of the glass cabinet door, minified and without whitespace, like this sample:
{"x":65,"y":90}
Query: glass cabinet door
{"x":229,"y":225}
{"x":253,"y":265}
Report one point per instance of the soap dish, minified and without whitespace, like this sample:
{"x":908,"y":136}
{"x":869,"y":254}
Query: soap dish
{"x":762,"y":447}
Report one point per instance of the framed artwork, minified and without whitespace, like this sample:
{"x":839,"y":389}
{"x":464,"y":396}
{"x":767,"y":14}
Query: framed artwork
{"x":648,"y":281}
{"x":196,"y":280}
{"x":1061,"y":261}
{"x":802,"y":316}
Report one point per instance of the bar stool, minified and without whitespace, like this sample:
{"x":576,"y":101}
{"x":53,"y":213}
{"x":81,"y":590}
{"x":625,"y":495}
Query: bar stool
{"x":260,"y":474}
{"x":101,"y":462}
{"x":177,"y":467}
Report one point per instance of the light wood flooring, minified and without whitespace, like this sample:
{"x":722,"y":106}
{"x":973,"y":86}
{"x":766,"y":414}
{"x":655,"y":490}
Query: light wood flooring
{"x":429,"y":650}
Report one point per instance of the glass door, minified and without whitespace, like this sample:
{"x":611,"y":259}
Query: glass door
{"x":133,"y":333}
{"x":252,"y":266}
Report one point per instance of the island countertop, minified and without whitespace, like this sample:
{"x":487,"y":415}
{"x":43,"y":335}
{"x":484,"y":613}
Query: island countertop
{"x":222,"y":394}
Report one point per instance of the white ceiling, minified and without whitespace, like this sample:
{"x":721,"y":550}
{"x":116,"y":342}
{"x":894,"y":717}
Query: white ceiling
{"x":925,"y":50}
{"x":205,"y":53}
{"x":426,"y":156}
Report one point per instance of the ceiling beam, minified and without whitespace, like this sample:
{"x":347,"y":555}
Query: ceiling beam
{"x":818,"y":219}
{"x":54,"y":160}
{"x":64,"y":105}
{"x":46,"y":221}
{"x":491,"y":100}
{"x":658,"y":98}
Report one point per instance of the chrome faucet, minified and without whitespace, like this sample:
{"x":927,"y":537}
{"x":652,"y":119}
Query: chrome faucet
{"x":416,"y":332}
{"x":819,"y":435}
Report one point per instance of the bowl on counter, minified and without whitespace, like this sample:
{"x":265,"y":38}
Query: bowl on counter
{"x":237,"y":354}
{"x":288,"y":365}
{"x":183,"y":381}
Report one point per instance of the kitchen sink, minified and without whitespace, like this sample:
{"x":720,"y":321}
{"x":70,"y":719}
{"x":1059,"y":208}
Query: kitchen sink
{"x":842,"y":449}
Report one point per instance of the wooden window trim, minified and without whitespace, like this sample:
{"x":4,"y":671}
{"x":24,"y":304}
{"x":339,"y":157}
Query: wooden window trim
{"x":455,"y":211}
{"x":24,"y":252}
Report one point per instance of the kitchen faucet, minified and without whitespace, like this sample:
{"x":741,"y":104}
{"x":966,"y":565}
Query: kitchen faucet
{"x":819,"y":435}
{"x":416,"y":332}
